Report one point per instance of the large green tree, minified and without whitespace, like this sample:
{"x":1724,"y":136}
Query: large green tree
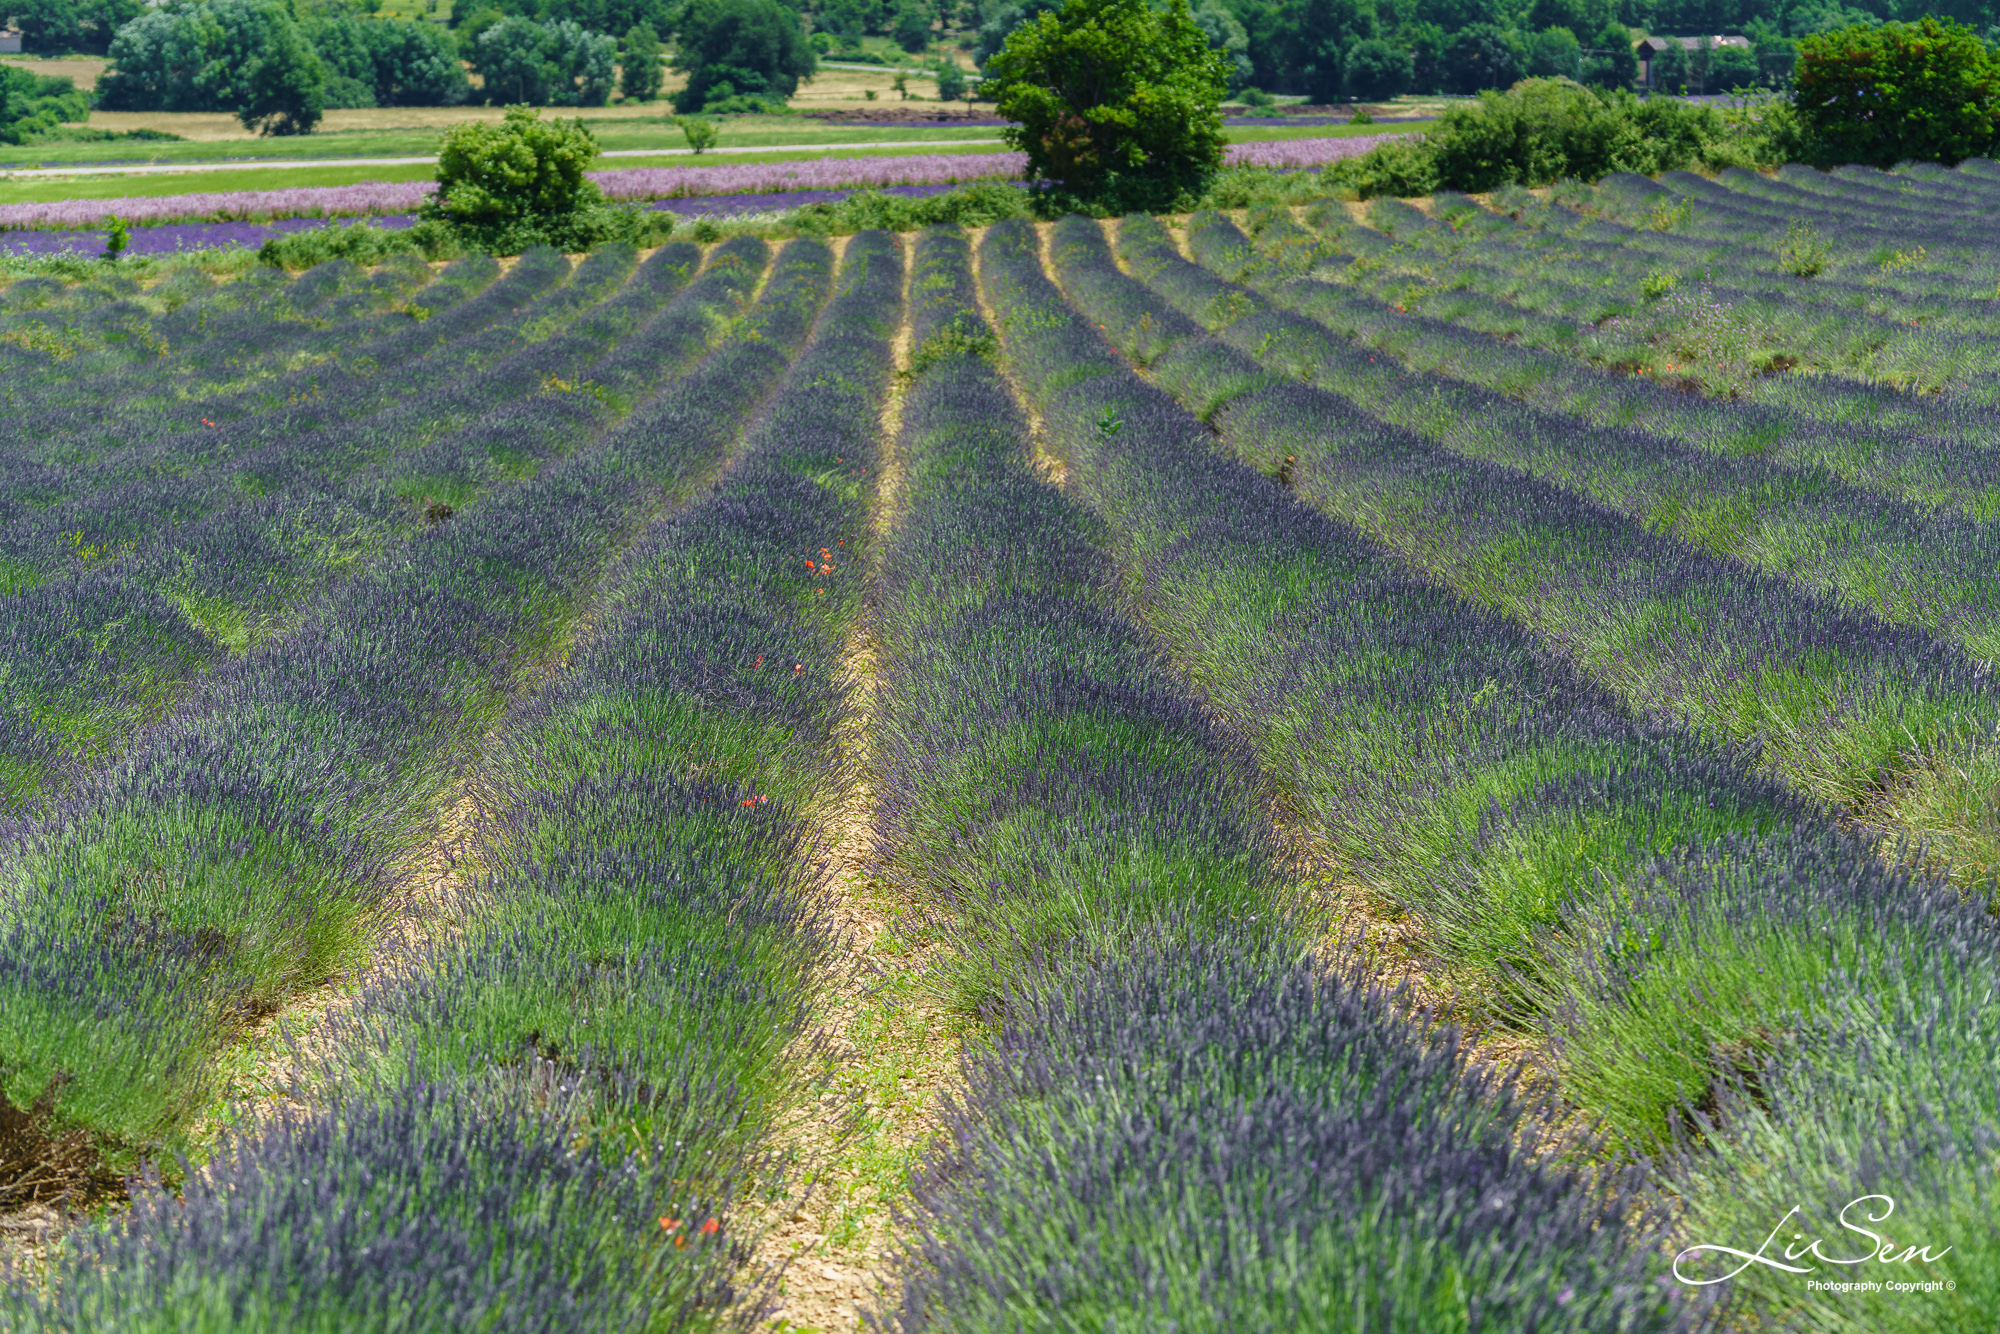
{"x":1553,"y":53}
{"x":1000,"y":25}
{"x":1480,"y":58}
{"x":747,"y":48}
{"x":1227,"y":34}
{"x":910,"y":24}
{"x":391,"y":64}
{"x":1928,"y":91}
{"x":245,"y":56}
{"x":639,"y":72}
{"x":416,"y":65}
{"x":1377,"y":71}
{"x":522,"y":62}
{"x":283,"y":83}
{"x":56,"y":27}
{"x":1116,"y":103}
{"x":1611,"y":62}
{"x":1296,"y":46}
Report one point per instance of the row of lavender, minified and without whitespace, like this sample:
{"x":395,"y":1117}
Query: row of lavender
{"x":1882,"y":554}
{"x":1720,"y":318}
{"x":242,"y":849}
{"x":1040,"y":777}
{"x":1890,"y":723}
{"x":234,"y":525}
{"x":1470,"y":330}
{"x":1649,"y":907}
{"x":554,"y":1118}
{"x":1676,"y":279}
{"x":110,"y":342}
{"x":107,"y":612}
{"x":1812,"y":256}
{"x":373,"y":198}
{"x":140,"y":562}
{"x":1210,"y":1122}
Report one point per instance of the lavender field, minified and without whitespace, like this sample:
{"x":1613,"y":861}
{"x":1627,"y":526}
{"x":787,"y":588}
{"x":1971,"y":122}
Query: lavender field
{"x":1410,"y":767}
{"x":621,"y":185}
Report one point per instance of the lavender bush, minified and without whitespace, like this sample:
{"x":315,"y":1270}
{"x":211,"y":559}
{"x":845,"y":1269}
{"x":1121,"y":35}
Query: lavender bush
{"x":289,"y":784}
{"x":1222,"y":1135}
{"x":1833,"y":699}
{"x":1040,"y":773}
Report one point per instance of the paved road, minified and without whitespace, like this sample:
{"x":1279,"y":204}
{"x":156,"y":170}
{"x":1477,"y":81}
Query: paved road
{"x":169,"y":168}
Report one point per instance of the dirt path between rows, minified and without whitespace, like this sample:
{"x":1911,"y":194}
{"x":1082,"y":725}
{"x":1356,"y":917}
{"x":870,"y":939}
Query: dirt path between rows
{"x":887,"y":1053}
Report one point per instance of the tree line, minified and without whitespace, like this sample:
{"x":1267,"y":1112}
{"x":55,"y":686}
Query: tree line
{"x":281,"y":63}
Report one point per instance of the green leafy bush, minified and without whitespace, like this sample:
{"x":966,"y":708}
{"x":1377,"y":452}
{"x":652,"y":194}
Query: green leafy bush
{"x":1401,"y":167}
{"x":505,"y":187}
{"x":86,"y":134}
{"x":31,"y":105}
{"x":1804,"y":252}
{"x":967,"y":206}
{"x":1545,"y":130}
{"x":1117,"y":104}
{"x":1927,"y":91}
{"x":361,"y":242}
{"x":701,"y":133}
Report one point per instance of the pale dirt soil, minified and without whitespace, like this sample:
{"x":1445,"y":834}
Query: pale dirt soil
{"x":885,"y":1053}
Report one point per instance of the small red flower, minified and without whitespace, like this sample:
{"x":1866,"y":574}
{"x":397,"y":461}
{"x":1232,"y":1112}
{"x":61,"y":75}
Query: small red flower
{"x":669,"y":1224}
{"x":711,"y":1226}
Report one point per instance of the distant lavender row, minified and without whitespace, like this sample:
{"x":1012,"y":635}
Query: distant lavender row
{"x":377,"y":198}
